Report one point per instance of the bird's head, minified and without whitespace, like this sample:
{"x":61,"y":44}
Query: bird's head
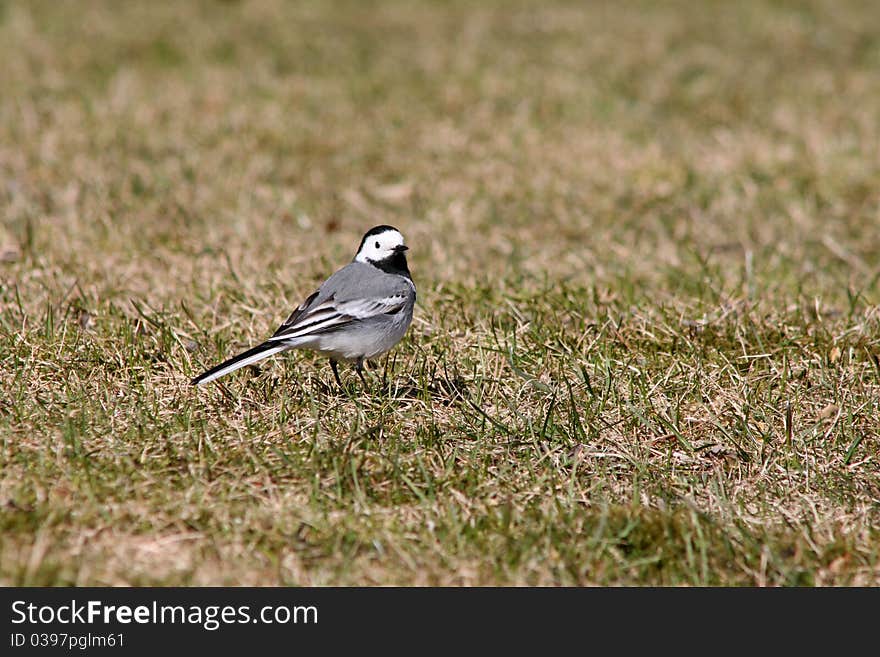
{"x":383,"y":247}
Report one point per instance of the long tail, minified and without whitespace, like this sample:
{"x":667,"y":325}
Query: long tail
{"x":250,"y":356}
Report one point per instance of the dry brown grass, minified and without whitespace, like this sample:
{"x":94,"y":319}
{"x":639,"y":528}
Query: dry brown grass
{"x":645,"y":241}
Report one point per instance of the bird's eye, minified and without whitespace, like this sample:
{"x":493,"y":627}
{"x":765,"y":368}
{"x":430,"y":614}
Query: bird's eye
{"x":377,"y":245}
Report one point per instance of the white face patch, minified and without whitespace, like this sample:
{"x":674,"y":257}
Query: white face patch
{"x":381,"y":246}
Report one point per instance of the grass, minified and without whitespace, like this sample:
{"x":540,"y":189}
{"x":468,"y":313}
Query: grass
{"x":644,"y":237}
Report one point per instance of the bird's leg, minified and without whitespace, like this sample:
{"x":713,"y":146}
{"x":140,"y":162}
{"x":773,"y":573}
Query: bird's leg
{"x":335,"y":372}
{"x":359,"y":366}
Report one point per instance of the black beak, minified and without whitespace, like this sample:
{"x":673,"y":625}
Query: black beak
{"x":400,"y":248}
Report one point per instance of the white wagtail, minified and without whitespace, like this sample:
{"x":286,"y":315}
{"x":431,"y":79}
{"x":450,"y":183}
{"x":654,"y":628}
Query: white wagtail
{"x":360,"y":312}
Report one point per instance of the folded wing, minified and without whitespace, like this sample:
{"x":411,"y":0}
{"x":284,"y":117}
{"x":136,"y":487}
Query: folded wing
{"x":329,"y":315}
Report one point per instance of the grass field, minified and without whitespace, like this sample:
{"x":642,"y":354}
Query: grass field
{"x":645,"y":239}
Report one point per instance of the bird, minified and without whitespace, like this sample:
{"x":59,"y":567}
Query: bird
{"x":360,"y":312}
